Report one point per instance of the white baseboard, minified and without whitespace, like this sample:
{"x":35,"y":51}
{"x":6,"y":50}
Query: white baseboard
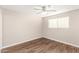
{"x":63,"y":42}
{"x":19,"y":42}
{"x":40,"y":37}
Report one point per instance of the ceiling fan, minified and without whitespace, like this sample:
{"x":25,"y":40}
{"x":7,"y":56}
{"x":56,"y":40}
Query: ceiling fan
{"x":47,"y":8}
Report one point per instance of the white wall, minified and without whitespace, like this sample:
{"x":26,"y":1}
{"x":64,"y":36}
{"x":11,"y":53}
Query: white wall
{"x":18,"y":27}
{"x":0,"y":28}
{"x":70,"y":35}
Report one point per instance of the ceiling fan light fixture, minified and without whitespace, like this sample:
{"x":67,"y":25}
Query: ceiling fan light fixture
{"x":45,"y":8}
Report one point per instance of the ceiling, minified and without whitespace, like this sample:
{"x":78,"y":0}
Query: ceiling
{"x":30,"y":9}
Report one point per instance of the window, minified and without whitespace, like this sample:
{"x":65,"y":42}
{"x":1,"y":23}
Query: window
{"x":53,"y":23}
{"x":62,"y":22}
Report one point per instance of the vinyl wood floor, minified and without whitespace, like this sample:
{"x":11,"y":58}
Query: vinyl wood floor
{"x":41,"y":45}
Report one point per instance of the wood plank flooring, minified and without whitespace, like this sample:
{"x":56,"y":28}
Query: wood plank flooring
{"x":41,"y":45}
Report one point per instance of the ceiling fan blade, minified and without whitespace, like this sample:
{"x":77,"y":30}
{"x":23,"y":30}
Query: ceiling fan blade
{"x":51,"y":10}
{"x":39,"y":12}
{"x":36,"y":9}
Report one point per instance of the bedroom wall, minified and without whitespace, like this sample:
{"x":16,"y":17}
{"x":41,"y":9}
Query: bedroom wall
{"x":69,"y":35}
{"x":18,"y":27}
{"x":0,"y":28}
